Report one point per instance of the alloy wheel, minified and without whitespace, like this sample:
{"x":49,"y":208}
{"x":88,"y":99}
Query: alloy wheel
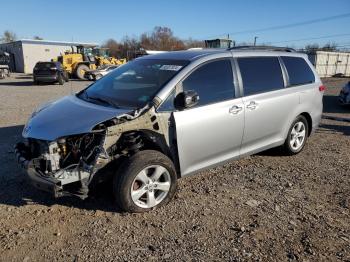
{"x":297,"y":136}
{"x":150,"y":186}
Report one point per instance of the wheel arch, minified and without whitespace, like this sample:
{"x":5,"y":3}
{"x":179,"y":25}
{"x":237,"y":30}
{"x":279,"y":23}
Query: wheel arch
{"x":155,"y":141}
{"x":309,"y":121}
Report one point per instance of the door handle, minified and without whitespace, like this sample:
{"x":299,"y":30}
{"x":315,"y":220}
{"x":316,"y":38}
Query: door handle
{"x":235,"y":109}
{"x":252,"y":105}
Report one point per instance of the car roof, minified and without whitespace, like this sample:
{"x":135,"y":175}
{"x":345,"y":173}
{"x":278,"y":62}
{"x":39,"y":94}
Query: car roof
{"x":192,"y":55}
{"x":184,"y":55}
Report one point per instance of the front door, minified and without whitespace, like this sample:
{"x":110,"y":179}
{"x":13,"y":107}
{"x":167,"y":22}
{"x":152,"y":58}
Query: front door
{"x":210,"y":132}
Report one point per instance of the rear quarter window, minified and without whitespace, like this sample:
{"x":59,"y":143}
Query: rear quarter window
{"x":299,"y":71}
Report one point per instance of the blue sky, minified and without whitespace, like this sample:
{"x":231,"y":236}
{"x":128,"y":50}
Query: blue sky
{"x":96,"y":21}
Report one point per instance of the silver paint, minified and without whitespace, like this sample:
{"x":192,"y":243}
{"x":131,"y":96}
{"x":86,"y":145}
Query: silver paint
{"x":68,"y":116}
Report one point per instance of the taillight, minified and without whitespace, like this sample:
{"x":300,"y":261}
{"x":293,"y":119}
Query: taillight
{"x":322,"y":88}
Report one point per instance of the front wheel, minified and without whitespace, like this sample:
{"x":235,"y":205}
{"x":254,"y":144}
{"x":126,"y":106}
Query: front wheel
{"x":80,"y":72}
{"x":145,"y":181}
{"x":297,"y":136}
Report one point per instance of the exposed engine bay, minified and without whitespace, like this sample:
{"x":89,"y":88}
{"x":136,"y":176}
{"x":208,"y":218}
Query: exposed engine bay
{"x":71,"y":163}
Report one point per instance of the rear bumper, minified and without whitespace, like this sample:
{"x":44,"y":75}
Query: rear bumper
{"x":52,"y":78}
{"x":38,"y":180}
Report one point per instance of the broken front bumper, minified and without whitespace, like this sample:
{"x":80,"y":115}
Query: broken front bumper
{"x":36,"y":178}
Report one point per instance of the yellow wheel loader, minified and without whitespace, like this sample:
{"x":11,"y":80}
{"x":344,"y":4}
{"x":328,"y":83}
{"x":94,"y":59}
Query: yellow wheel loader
{"x":85,"y":58}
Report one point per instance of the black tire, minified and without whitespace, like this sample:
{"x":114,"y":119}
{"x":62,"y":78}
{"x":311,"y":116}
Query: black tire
{"x":66,"y":76}
{"x":130,"y":168}
{"x":60,"y":79}
{"x":35,"y":82}
{"x":287,"y":147}
{"x":80,"y":71}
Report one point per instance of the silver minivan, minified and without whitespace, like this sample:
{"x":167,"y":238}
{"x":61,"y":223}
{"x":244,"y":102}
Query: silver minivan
{"x":166,"y":116}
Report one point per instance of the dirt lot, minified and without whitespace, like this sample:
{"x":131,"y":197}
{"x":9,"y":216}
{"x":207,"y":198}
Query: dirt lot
{"x":261,"y":208}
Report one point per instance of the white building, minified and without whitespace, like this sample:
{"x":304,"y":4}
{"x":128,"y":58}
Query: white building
{"x":26,"y":53}
{"x":330,"y":63}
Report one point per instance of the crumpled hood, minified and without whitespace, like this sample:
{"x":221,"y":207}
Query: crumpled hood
{"x":67,"y":116}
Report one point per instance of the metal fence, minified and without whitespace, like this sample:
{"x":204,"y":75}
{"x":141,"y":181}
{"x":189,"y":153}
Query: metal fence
{"x":330,"y":64}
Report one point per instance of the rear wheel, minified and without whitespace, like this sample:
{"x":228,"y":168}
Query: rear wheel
{"x":81,"y":69}
{"x":66,"y":76}
{"x":297,"y":136}
{"x":145,"y":181}
{"x":60,"y":79}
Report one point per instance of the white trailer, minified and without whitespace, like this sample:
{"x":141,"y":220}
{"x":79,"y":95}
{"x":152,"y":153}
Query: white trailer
{"x":329,"y":63}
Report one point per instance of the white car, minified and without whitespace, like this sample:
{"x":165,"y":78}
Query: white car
{"x":98,"y":73}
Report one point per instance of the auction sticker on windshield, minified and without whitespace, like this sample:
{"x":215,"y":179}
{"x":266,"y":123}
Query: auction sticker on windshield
{"x":170,"y":67}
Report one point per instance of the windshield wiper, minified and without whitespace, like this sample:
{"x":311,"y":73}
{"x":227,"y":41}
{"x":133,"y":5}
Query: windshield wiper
{"x":101,"y":100}
{"x":105,"y":101}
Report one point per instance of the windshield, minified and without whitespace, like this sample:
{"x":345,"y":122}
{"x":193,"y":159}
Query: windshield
{"x":134,"y":84}
{"x":45,"y":65}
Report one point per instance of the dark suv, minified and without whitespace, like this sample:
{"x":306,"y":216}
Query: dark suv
{"x":49,"y":72}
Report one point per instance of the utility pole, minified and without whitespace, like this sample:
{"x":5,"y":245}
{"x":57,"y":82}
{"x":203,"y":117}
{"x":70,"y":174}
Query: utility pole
{"x":255,"y":40}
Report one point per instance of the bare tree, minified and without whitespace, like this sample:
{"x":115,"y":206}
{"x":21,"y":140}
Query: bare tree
{"x":316,"y":47}
{"x":191,"y":43}
{"x":36,"y":37}
{"x":8,"y":36}
{"x":113,"y":46}
{"x":311,"y":47}
{"x":329,"y":47}
{"x":129,"y":44}
{"x":161,"y":38}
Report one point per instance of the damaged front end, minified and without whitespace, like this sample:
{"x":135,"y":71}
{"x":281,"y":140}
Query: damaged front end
{"x":75,"y":141}
{"x":69,"y":165}
{"x":67,"y":161}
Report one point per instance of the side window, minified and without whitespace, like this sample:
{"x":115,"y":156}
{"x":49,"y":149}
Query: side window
{"x":299,"y":71}
{"x":260,"y":74}
{"x":213,"y":82}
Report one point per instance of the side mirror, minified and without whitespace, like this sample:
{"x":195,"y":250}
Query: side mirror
{"x":186,"y":99}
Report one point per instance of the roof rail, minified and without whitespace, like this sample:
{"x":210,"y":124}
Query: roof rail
{"x":262,"y":47}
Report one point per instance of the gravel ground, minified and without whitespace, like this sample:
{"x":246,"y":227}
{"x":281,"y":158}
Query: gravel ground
{"x":261,"y":208}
